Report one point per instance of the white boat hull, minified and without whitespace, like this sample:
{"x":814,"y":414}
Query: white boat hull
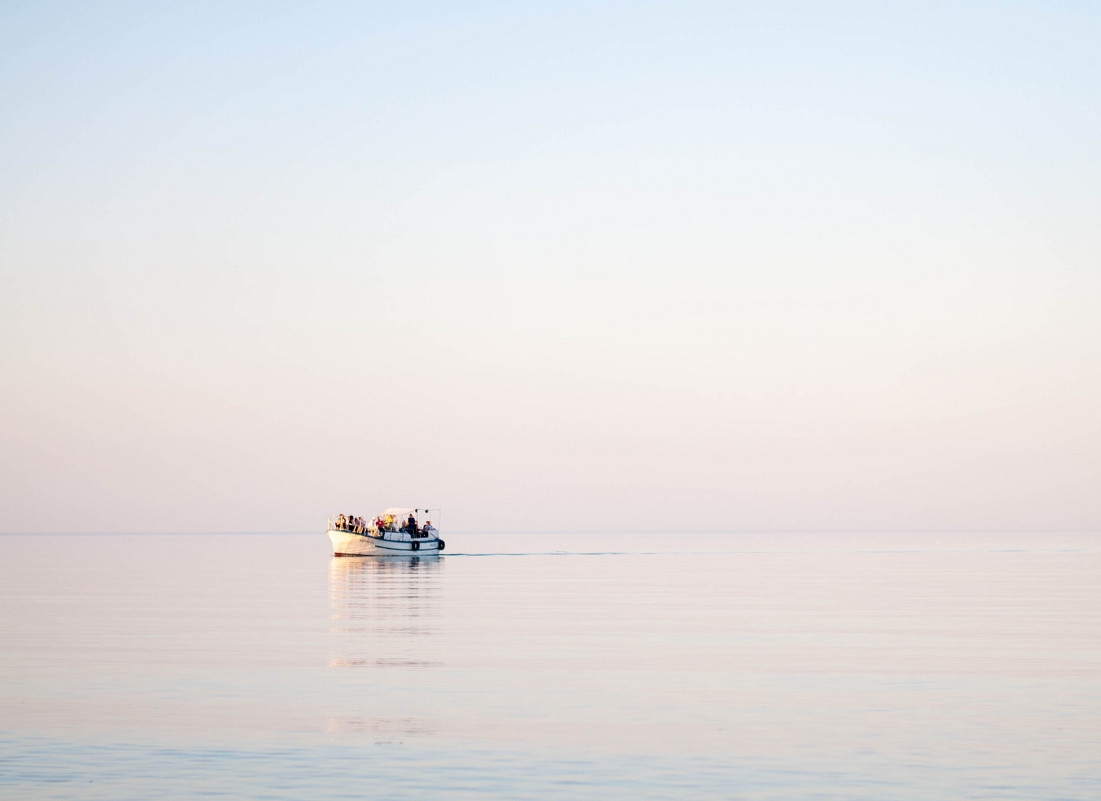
{"x":347,"y":543}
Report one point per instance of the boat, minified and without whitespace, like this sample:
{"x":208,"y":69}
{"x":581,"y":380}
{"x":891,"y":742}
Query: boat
{"x":393,"y":532}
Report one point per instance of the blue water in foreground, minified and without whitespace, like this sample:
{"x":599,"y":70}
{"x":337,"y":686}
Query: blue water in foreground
{"x":552,"y":666}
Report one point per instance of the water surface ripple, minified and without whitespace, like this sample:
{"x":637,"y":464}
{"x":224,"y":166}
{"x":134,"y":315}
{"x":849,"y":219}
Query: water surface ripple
{"x":857,"y":666}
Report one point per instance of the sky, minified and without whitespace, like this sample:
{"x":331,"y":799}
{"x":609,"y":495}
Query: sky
{"x":550,"y":266}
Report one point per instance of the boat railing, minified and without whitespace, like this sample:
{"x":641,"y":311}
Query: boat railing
{"x":365,"y":527}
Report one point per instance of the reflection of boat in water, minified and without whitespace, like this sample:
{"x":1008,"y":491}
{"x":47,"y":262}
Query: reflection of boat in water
{"x":384,"y":612}
{"x":383,"y":591}
{"x":395,"y":531}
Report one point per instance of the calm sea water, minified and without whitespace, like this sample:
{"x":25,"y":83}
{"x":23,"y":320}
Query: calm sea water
{"x":552,"y":666}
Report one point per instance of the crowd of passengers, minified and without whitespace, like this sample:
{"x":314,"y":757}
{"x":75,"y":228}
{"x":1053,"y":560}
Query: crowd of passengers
{"x":349,"y":523}
{"x":358,"y":525}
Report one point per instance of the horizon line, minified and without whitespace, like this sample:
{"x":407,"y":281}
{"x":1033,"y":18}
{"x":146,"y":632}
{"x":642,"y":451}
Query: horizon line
{"x":679,"y":532}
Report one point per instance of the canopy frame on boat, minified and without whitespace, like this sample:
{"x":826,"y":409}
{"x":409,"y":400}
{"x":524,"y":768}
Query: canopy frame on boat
{"x":401,"y":514}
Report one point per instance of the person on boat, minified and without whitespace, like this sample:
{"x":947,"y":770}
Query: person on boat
{"x":340,"y":522}
{"x":428,"y":530}
{"x":411,"y":525}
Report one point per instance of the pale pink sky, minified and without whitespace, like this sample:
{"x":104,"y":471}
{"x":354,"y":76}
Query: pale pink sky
{"x":559,"y":269}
